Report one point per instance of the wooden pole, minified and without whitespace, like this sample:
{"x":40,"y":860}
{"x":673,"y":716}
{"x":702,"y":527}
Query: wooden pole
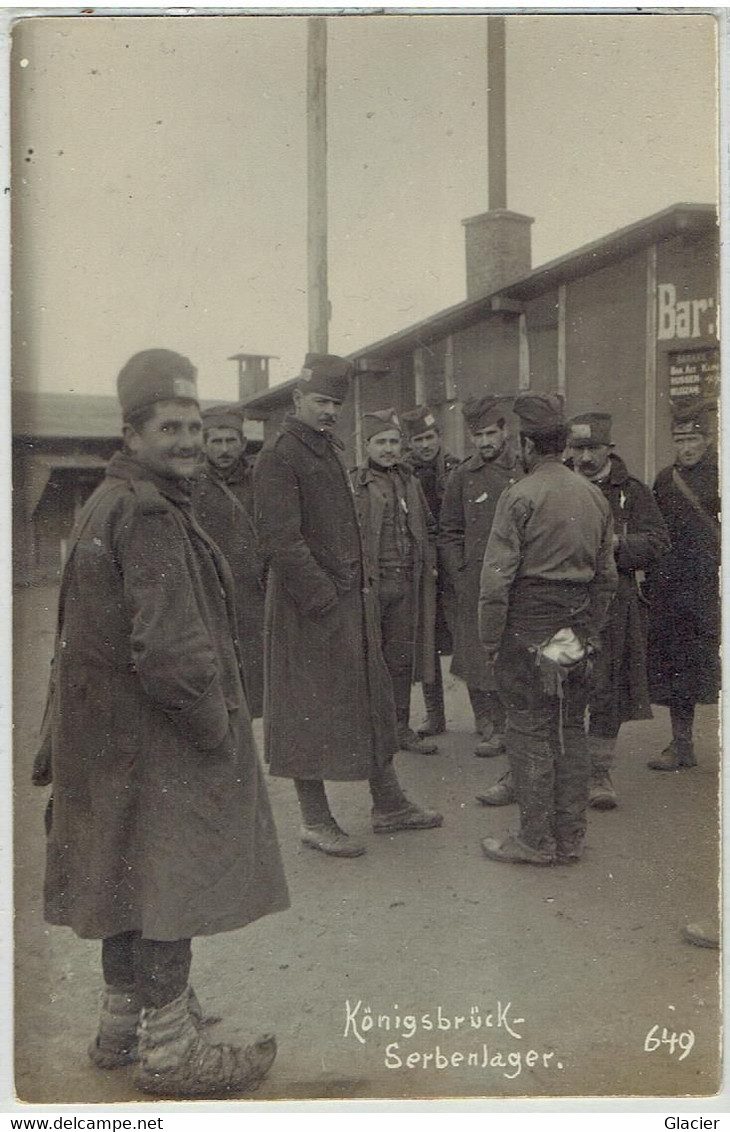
{"x":318,"y":298}
{"x":496,"y":112}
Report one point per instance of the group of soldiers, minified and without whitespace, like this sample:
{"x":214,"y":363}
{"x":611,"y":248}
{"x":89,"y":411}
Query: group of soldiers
{"x":195,"y":597}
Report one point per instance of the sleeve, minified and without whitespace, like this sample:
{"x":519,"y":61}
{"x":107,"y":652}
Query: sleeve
{"x":278,"y":517}
{"x":171,"y":647}
{"x":605,"y":580}
{"x":646,"y":539}
{"x":452,"y":526}
{"x":501,"y":562}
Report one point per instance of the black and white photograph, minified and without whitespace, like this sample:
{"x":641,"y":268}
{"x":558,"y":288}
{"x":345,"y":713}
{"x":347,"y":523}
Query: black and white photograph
{"x":365,"y":373}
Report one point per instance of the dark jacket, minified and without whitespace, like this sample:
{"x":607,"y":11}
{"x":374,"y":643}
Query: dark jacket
{"x":467,"y":513}
{"x":620,"y":688}
{"x":433,"y":477}
{"x":370,"y":501}
{"x":230,"y":525}
{"x":328,"y":702}
{"x":683,"y":590}
{"x":161,"y":821}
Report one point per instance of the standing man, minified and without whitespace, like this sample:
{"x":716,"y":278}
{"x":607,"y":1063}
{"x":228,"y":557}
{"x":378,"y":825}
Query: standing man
{"x":548,"y":577}
{"x":467,"y":513}
{"x":683,"y":587}
{"x":328,"y":700}
{"x":161,"y":828}
{"x":223,"y":503}
{"x":619,"y":685}
{"x":432,"y":466}
{"x":399,"y":534}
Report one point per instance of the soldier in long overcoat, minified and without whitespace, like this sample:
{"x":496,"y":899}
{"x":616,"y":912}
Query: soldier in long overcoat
{"x":399,"y":536}
{"x":161,"y":828}
{"x":619,"y":685}
{"x":223,"y":504}
{"x":328,"y":702}
{"x":433,"y":465}
{"x":683,"y":587}
{"x":467,"y":513}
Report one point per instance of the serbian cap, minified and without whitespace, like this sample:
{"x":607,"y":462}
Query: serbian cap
{"x":222,"y":416}
{"x":539,"y":412}
{"x":417,"y":421}
{"x":156,"y":375}
{"x":381,"y":420}
{"x":481,"y":412}
{"x":326,"y":374}
{"x":589,"y":430}
{"x":691,"y":416}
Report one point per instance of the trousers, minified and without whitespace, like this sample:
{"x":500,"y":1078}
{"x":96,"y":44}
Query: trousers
{"x":159,"y":969}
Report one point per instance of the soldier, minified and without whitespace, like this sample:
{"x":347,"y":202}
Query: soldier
{"x":223,"y":503}
{"x":399,"y":535}
{"x":466,"y":519}
{"x":328,"y":700}
{"x":619,"y":686}
{"x":547,"y":579}
{"x":683,"y":587}
{"x":161,"y":828}
{"x":432,"y":465}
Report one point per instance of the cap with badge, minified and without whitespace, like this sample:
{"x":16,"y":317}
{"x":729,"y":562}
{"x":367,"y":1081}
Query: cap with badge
{"x":417,"y":421}
{"x":380,"y":420}
{"x":222,"y":416}
{"x":482,"y":412}
{"x":325,"y":374}
{"x":539,"y":412}
{"x":156,"y":375}
{"x":589,"y":430}
{"x":692,"y":416}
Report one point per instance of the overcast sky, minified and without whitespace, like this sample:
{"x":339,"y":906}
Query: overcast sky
{"x":160,"y":172}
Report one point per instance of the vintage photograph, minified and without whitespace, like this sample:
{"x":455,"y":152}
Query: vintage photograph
{"x":365,"y":547}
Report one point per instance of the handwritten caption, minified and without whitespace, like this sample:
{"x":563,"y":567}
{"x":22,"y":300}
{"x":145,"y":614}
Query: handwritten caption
{"x":668,"y":1041}
{"x":439,"y":1039}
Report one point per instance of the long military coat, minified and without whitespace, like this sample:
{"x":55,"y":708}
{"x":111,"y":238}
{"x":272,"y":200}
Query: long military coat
{"x":161,"y":821}
{"x":328,"y":701}
{"x":620,"y":686}
{"x":683,"y":590}
{"x":433,"y":477}
{"x":230,"y":524}
{"x":370,"y":502}
{"x":467,"y":513}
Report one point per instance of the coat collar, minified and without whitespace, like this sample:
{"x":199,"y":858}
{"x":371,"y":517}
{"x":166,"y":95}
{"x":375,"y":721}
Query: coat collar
{"x":317,"y":441}
{"x":365,"y":474}
{"x":238,"y":473}
{"x":506,"y":461}
{"x":124,"y":467}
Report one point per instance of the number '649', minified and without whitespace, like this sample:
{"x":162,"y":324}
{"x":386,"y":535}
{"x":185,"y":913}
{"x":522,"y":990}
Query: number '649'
{"x":675,"y":1043}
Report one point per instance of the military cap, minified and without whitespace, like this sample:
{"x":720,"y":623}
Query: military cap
{"x":589,"y":430}
{"x":481,"y":412}
{"x":222,"y":416}
{"x":326,"y":374}
{"x":156,"y":375}
{"x":380,"y":420}
{"x":417,"y":421}
{"x":691,"y":416}
{"x":539,"y":412}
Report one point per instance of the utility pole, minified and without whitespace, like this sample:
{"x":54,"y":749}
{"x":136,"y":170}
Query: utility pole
{"x":318,"y":299}
{"x":496,"y":112}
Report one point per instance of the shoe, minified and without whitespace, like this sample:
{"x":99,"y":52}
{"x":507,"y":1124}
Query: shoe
{"x":432,"y":726}
{"x":514,"y":852}
{"x":409,"y":741}
{"x":678,"y":755}
{"x":569,"y":854}
{"x":411,"y":817}
{"x":702,"y":935}
{"x":601,"y":794}
{"x":489,"y":748}
{"x":330,"y":839}
{"x":115,"y":1044}
{"x":176,"y":1060}
{"x":501,"y":794}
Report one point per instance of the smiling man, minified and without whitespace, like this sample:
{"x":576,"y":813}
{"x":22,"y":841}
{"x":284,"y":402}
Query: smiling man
{"x":161,"y":828}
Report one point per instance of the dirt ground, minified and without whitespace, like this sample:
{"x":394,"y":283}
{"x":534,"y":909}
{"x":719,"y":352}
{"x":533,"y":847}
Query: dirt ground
{"x":565,"y":980}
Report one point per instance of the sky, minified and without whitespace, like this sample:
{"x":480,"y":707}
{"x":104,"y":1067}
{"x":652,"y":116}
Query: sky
{"x":159,"y":172}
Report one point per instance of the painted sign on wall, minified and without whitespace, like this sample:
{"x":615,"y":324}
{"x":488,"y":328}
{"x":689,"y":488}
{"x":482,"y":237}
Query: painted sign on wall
{"x":694,"y":373}
{"x":686,"y":318}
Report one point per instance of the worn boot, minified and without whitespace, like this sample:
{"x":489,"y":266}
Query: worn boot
{"x":602,"y":795}
{"x":407,"y":739}
{"x":116,"y":1041}
{"x":175,"y":1060}
{"x":677,"y":756}
{"x":433,"y":697}
{"x":501,"y":794}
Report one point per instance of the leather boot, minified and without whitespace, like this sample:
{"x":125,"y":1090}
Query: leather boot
{"x":677,"y":756}
{"x":601,"y":795}
{"x":433,"y":697}
{"x":408,"y":739}
{"x":176,"y":1060}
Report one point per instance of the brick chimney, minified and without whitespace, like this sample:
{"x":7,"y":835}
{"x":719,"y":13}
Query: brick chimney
{"x":498,"y":250}
{"x":253,"y":374}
